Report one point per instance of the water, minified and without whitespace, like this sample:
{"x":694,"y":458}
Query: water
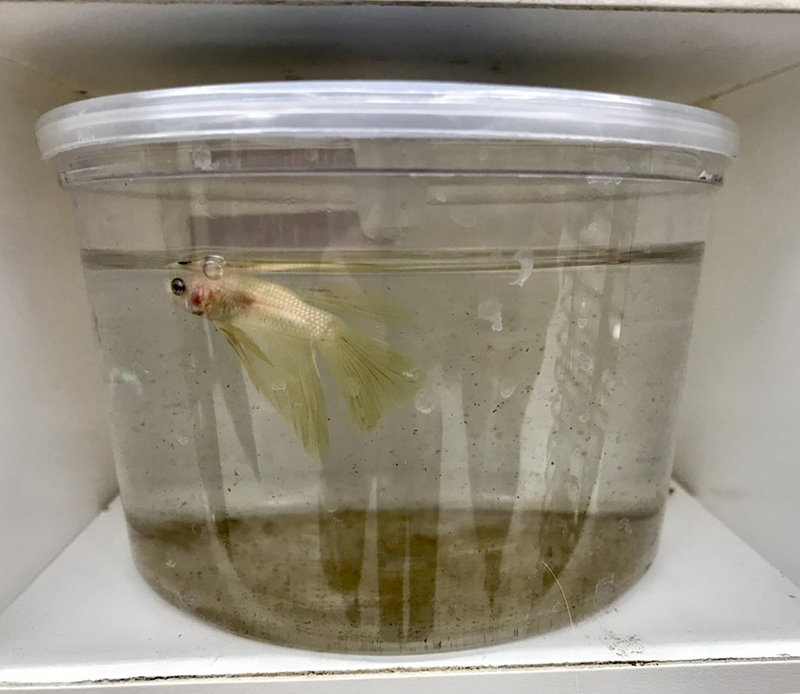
{"x":531,"y":466}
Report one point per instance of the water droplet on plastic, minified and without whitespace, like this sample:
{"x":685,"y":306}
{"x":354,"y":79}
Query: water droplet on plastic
{"x":491,"y":310}
{"x":464,"y":218}
{"x":279,"y":385}
{"x":483,"y":154}
{"x":441,"y":196}
{"x":171,"y":563}
{"x":507,"y":388}
{"x":584,"y":418}
{"x":583,"y":322}
{"x":525,"y":260}
{"x":182,"y":440}
{"x":604,"y":590}
{"x":425,"y":401}
{"x":412,"y":374}
{"x":201,"y":158}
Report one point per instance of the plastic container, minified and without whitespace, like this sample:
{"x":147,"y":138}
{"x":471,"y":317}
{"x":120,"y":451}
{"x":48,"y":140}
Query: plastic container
{"x":392,"y":367}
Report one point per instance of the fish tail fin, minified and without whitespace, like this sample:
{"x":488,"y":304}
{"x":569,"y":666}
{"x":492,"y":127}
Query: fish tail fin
{"x":371,"y":377}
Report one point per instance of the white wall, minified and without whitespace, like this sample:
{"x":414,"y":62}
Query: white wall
{"x":55,"y":471}
{"x":675,"y":55}
{"x":739,"y":450}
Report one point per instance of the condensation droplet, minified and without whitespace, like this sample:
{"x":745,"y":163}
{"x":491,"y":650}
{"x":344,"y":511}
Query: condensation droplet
{"x":441,"y":196}
{"x":583,"y":322}
{"x":525,"y":260}
{"x":483,"y":154}
{"x":279,"y":385}
{"x":491,"y":310}
{"x":171,"y":563}
{"x":182,"y":440}
{"x":584,"y":418}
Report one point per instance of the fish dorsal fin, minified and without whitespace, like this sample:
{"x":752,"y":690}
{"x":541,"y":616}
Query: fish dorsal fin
{"x":343,"y":299}
{"x":282,"y":369}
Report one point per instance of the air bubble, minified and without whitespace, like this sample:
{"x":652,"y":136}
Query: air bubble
{"x":213,"y":267}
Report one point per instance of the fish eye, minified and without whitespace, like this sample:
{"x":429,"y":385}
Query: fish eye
{"x":178,"y":286}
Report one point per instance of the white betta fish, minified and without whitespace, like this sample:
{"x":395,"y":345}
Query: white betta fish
{"x":277,"y":332}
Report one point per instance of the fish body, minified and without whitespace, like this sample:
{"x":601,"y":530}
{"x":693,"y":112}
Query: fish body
{"x":277,"y":332}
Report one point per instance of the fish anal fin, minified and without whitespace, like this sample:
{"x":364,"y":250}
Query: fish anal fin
{"x":288,"y":378}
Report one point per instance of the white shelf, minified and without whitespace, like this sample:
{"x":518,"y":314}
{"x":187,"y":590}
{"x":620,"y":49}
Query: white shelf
{"x":710,"y":613}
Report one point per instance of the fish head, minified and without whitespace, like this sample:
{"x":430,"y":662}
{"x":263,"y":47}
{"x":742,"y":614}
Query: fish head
{"x":197,"y":288}
{"x":193,"y":292}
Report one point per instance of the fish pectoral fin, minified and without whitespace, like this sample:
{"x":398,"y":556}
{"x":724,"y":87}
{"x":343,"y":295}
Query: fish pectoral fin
{"x":289,"y":380}
{"x":242,"y":343}
{"x":342,"y":299}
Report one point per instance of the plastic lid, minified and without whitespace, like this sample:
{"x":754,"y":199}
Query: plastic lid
{"x":382,"y":110}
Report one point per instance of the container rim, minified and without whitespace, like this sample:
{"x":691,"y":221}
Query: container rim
{"x":380,"y":110}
